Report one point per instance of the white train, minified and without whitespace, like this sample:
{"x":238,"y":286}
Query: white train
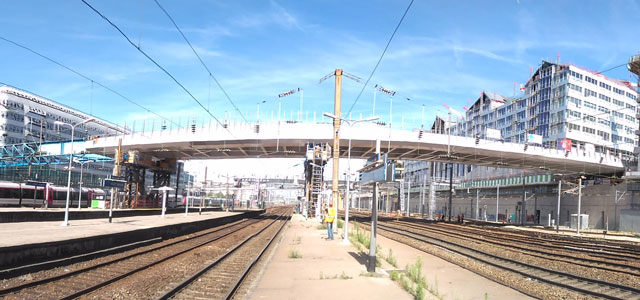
{"x":15,"y":194}
{"x":196,"y":201}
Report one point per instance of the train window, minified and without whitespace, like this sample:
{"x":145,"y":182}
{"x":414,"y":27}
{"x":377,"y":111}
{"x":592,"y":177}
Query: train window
{"x":60,"y":195}
{"x":15,"y":193}
{"x":40,"y":194}
{"x":27,"y":194}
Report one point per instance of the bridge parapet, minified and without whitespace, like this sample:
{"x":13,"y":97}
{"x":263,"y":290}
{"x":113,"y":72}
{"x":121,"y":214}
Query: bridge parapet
{"x":290,"y":139}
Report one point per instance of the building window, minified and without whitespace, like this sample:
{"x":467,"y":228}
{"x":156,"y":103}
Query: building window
{"x":588,"y":130}
{"x":590,"y":93}
{"x":629,"y":118}
{"x":590,"y":105}
{"x":577,"y":102}
{"x":575,"y":87}
{"x":604,"y":122}
{"x":618,"y":102}
{"x":603,"y":109}
{"x":572,"y":126}
{"x":631,"y":107}
{"x":605,"y":98}
{"x":573,"y":113}
{"x":617,"y":114}
{"x":588,"y":118}
{"x":604,"y":135}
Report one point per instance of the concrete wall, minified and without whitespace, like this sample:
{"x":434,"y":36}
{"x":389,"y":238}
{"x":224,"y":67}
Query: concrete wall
{"x":597,"y":201}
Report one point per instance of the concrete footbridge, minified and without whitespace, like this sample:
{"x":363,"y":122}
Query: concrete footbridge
{"x":289,"y":140}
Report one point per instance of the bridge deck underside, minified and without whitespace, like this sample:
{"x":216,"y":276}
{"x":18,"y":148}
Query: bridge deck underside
{"x":497,"y":156}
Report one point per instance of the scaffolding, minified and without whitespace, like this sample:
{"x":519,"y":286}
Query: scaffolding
{"x":316,"y":158}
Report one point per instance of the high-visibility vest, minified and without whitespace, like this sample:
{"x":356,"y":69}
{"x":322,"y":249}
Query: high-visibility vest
{"x":331,"y":215}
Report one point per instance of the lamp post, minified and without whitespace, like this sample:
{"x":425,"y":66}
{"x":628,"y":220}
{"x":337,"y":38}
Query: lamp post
{"x":391,"y":94}
{"x":258,"y":111}
{"x":73,"y":127}
{"x":346,"y":212}
{"x":82,"y":163}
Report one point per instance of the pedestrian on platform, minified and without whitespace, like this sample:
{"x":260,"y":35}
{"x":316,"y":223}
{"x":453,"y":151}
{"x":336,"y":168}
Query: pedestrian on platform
{"x":328,"y":218}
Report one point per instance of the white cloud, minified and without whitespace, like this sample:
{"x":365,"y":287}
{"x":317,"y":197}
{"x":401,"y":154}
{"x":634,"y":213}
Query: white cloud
{"x":277,"y":15}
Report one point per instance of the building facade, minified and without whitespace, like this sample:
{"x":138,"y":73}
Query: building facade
{"x":567,"y":107}
{"x":562,"y":102}
{"x":26,"y":117}
{"x":29,"y":118}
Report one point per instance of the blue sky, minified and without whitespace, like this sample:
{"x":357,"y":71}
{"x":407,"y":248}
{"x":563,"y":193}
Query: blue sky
{"x":444,"y":52}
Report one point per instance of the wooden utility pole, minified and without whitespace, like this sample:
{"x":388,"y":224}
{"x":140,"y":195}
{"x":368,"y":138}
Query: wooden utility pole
{"x":336,"y":143}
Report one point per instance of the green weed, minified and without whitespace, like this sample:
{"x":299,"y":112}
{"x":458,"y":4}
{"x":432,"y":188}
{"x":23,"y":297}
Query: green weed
{"x":345,"y":276}
{"x":294,"y":254}
{"x":394,"y":275}
{"x":391,"y":259}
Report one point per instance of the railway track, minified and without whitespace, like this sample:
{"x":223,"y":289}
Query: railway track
{"x":603,"y":260}
{"x":620,"y":249}
{"x":114,"y":274}
{"x":220,"y":279}
{"x":462,"y":244}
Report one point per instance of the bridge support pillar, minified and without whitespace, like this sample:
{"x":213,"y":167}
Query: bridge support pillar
{"x":135,"y":176}
{"x":160,"y":178}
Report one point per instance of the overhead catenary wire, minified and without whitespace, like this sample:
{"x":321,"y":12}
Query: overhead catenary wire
{"x":381,"y":56}
{"x":612,"y":68}
{"x":201,"y":61}
{"x":93,"y":81}
{"x":155,"y":63}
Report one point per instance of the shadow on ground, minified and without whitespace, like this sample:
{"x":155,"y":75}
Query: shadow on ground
{"x":360,"y":257}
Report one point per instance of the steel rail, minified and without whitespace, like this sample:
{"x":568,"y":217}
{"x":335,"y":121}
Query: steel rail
{"x":175,"y":290}
{"x":455,"y":233}
{"x":113,"y":261}
{"x":450,"y":246}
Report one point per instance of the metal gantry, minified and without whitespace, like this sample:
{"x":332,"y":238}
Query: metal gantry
{"x":26,"y":154}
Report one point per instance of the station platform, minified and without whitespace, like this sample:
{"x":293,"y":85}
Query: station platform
{"x":331,"y":269}
{"x":22,"y":214}
{"x":25,"y":243}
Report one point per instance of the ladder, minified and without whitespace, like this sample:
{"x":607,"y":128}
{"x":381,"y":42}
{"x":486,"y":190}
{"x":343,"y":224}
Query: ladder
{"x":316,"y":187}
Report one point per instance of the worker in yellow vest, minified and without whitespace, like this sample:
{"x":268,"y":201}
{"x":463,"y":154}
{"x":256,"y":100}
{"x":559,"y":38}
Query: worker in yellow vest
{"x":328,"y":218}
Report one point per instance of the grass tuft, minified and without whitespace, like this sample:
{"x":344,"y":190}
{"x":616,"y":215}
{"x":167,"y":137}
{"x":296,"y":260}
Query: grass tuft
{"x":391,"y":259}
{"x":294,"y":254}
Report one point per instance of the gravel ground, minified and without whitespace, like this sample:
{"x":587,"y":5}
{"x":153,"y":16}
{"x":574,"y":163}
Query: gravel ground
{"x":250,"y":281}
{"x":10,"y":282}
{"x":549,"y":263}
{"x":146,"y":284}
{"x":155,"y":281}
{"x":523,"y":284}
